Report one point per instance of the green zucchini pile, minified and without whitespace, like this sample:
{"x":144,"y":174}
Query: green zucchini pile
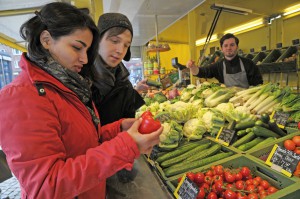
{"x":190,"y":156}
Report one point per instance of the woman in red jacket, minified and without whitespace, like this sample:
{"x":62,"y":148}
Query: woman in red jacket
{"x":49,"y":129}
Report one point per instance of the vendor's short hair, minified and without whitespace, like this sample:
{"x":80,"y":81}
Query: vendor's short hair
{"x":228,"y":36}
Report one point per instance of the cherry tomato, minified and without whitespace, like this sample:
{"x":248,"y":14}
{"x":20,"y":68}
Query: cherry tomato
{"x":206,"y":187}
{"x":296,"y":139}
{"x":218,"y":169}
{"x":199,"y":178}
{"x":260,"y":188}
{"x":201,"y":193}
{"x":212,"y":195}
{"x":229,"y":194}
{"x":191,"y":176}
{"x":257,"y":178}
{"x":245,"y":171}
{"x":219,"y":186}
{"x":208,"y":179}
{"x":217,"y":178}
{"x":251,"y":188}
{"x":297,"y":150}
{"x":241,"y":195}
{"x":148,"y":125}
{"x":240,"y":185}
{"x":255,"y":182}
{"x":238,"y":176}
{"x":289,"y":145}
{"x":272,"y":189}
{"x":209,"y":173}
{"x":229,"y":177}
{"x":252,"y":196}
{"x":249,"y":182}
{"x":265,"y":184}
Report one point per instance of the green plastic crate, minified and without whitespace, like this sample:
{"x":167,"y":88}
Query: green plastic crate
{"x":287,"y":186}
{"x":204,"y":140}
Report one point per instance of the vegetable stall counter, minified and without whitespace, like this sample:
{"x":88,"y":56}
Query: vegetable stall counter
{"x":146,"y":184}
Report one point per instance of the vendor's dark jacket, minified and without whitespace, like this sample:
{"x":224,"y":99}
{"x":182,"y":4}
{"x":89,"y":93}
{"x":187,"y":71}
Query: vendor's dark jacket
{"x":233,"y":66}
{"x":113,"y":93}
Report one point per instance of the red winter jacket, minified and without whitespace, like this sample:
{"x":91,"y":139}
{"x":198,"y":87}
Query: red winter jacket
{"x":51,"y":143}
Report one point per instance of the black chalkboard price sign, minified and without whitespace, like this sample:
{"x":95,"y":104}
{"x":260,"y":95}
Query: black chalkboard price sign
{"x":283,"y":160}
{"x":281,"y":118}
{"x":225,"y":136}
{"x":186,"y":189}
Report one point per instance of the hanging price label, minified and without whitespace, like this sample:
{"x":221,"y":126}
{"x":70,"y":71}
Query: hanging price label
{"x":225,"y":136}
{"x":281,"y":118}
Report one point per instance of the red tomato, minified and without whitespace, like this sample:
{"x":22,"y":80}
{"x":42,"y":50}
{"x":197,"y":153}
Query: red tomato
{"x":255,"y":182}
{"x":297,"y":150}
{"x":201,"y":193}
{"x":205,"y":186}
{"x":191,"y":176}
{"x":296,"y":139}
{"x":229,"y":194}
{"x":179,"y":179}
{"x":212,"y":195}
{"x":238,"y":176}
{"x":208,"y":179}
{"x":252,"y":196}
{"x":257,"y":178}
{"x":219,"y":186}
{"x":251,"y":188}
{"x":146,"y":113}
{"x":272,"y":189}
{"x":298,"y":125}
{"x":265,"y":184}
{"x":240,"y":185}
{"x":217,"y":178}
{"x":245,"y":171}
{"x":229,"y":177}
{"x":218,"y":169}
{"x":149,"y":125}
{"x":289,"y":145}
{"x":260,"y":188}
{"x":241,"y":195}
{"x":209,"y":173}
{"x":199,"y":178}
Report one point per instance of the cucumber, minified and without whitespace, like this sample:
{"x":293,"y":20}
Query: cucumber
{"x":274,"y":127}
{"x":261,"y":123}
{"x":241,"y":133}
{"x":174,"y":170}
{"x":248,"y":130}
{"x":247,"y":138}
{"x":203,"y":154}
{"x":244,"y":125}
{"x":264,"y":142}
{"x":265,"y":118}
{"x":263,"y":132}
{"x":151,"y":82}
{"x":177,"y":152}
{"x":249,"y":145}
{"x":174,"y":160}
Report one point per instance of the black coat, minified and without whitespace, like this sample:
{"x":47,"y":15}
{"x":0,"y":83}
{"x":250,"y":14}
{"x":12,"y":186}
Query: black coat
{"x":113,"y":93}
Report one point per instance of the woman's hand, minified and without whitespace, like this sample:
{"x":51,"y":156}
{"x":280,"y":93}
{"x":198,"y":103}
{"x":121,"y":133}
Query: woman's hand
{"x":127,"y":123}
{"x":145,"y":142}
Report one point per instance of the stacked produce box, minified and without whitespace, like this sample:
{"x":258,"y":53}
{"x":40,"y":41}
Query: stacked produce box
{"x":195,"y":117}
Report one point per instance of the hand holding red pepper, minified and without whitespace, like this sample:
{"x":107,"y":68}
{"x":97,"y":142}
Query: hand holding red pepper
{"x":149,"y":124}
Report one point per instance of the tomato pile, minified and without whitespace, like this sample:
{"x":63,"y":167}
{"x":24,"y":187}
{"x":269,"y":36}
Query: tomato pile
{"x":294,"y":145}
{"x":239,"y":183}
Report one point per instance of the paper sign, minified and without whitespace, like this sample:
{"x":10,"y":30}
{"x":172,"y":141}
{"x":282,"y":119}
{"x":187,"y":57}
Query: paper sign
{"x":225,"y":136}
{"x":186,"y":189}
{"x":283,"y":160}
{"x":281,"y":118}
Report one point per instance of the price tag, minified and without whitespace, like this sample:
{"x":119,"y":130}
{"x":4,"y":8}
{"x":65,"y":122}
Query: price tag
{"x":225,"y":136}
{"x":281,"y":118}
{"x":283,"y":160}
{"x":186,"y":189}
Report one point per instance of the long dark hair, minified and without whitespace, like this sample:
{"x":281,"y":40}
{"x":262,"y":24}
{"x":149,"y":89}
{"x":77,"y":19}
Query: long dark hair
{"x":59,"y":19}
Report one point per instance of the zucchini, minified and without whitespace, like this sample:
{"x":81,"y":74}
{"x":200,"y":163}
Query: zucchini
{"x":247,"y":138}
{"x":180,"y":150}
{"x":265,"y":118}
{"x":244,"y":125}
{"x":231,"y":125}
{"x":174,"y":160}
{"x":241,"y":133}
{"x":261,"y":123}
{"x":264,"y":142}
{"x":202,"y":154}
{"x":274,"y":127}
{"x":249,"y":145}
{"x":248,"y":130}
{"x":263,"y":132}
{"x":174,"y":170}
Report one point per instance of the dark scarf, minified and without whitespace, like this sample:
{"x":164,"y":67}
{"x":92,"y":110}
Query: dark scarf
{"x":72,"y":80}
{"x":105,"y":77}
